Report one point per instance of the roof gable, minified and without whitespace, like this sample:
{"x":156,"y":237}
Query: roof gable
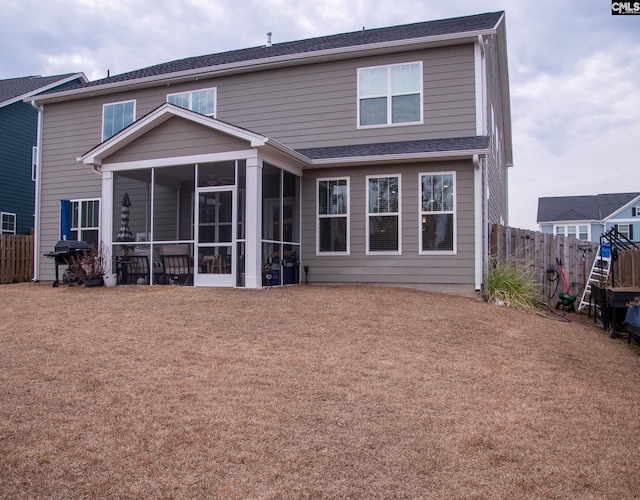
{"x":164,"y":113}
{"x":15,"y":89}
{"x":582,"y":208}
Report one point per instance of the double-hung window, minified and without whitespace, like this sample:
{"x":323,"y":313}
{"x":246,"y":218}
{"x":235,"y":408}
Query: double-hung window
{"x":625,"y":230}
{"x":383,"y":215}
{"x":85,"y":221}
{"x":200,"y":101}
{"x":333,"y":216}
{"x":116,"y":116}
{"x":579,"y":231}
{"x":8,"y":223}
{"x":437,"y":212}
{"x":390,"y":95}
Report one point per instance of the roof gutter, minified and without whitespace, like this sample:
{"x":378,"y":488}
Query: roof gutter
{"x":266,"y":63}
{"x":407,"y":157}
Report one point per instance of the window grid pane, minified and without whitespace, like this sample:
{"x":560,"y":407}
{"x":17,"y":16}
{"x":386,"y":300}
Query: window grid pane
{"x":390,"y":94}
{"x":437,"y":217}
{"x":332,"y":215}
{"x":405,"y":79}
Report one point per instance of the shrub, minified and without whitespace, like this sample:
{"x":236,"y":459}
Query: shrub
{"x":511,"y":284}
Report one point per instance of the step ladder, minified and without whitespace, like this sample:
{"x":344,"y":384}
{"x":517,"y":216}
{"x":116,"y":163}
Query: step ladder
{"x":599,"y":273}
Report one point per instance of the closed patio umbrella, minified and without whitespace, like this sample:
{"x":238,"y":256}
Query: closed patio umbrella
{"x":125,"y":233}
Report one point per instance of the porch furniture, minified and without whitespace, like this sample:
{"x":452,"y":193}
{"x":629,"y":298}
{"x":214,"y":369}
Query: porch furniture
{"x":130,"y":268}
{"x":177,"y":264}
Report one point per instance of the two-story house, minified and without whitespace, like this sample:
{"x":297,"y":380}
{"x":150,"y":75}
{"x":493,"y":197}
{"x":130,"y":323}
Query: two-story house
{"x":18,"y":147}
{"x":377,"y":156}
{"x":589,"y":217}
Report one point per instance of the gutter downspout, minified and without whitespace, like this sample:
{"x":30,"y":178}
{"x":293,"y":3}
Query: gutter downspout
{"x":38,"y":194}
{"x":479,"y":217}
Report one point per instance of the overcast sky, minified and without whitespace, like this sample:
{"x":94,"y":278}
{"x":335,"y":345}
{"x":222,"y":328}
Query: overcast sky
{"x":574,"y":68}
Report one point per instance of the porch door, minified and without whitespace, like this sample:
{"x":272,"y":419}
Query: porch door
{"x":215,"y":237}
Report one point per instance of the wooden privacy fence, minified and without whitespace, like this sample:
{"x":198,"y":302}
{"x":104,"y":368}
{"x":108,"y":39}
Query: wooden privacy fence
{"x":537,"y":252}
{"x":626,"y":269}
{"x":16,"y":258}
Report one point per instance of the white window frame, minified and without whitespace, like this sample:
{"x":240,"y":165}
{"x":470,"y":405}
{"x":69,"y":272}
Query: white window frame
{"x":624,"y":233}
{"x":397,"y":214}
{"x":190,"y":94}
{"x":635,"y":211}
{"x":563,"y":230}
{"x":15,"y":222}
{"x":34,"y":163}
{"x":327,"y":216}
{"x":422,"y":213}
{"x":389,"y":95}
{"x":104,"y":107}
{"x":79,"y":228}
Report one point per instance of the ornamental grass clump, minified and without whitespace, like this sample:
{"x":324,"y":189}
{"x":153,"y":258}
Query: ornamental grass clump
{"x":511,"y":284}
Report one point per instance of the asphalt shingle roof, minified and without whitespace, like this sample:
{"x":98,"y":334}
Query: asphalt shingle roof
{"x":14,"y":87}
{"x":405,"y":147}
{"x":353,"y":39}
{"x":573,"y":208}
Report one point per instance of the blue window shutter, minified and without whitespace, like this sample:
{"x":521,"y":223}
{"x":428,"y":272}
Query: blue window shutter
{"x":65,"y":219}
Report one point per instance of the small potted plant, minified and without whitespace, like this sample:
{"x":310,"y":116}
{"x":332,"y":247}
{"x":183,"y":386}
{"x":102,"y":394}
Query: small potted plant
{"x":91,"y":267}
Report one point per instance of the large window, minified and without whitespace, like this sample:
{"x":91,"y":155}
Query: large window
{"x":383,"y":214}
{"x":116,"y":116}
{"x":437,"y":212}
{"x":333,"y":216}
{"x":390,"y":95}
{"x":85,"y":221}
{"x":200,"y":101}
{"x":579,"y":231}
{"x":8,"y":223}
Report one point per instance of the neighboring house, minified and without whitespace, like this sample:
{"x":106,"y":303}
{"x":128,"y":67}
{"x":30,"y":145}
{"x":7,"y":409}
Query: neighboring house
{"x":588,"y":217}
{"x":18,"y":147}
{"x":377,"y":156}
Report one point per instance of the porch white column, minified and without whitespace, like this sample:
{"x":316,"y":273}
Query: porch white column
{"x":253,"y":230}
{"x":106,"y":212}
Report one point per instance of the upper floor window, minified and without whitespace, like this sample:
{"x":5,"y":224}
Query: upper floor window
{"x":437,"y":212}
{"x":333,"y":216}
{"x":85,"y":221}
{"x":383,"y":214}
{"x":579,"y":231}
{"x":389,"y":95}
{"x":116,"y":116}
{"x":200,"y":101}
{"x":8,"y":223}
{"x":635,"y":211}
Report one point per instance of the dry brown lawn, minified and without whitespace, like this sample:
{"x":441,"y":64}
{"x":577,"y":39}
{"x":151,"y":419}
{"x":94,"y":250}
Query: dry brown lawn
{"x":308,"y":392}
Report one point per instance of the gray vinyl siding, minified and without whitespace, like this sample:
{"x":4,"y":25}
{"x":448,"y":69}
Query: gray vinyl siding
{"x":302,"y":107}
{"x":410,"y":267}
{"x":497,"y":170}
{"x":177,"y":137}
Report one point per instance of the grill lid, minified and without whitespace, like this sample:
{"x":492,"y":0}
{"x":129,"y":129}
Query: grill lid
{"x":71,"y":246}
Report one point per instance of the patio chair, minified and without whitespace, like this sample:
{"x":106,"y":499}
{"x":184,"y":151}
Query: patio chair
{"x":131,"y":268}
{"x":177,"y":264}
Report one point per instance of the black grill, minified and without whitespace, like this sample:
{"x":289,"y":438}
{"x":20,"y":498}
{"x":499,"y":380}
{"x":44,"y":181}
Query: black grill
{"x":64,"y":253}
